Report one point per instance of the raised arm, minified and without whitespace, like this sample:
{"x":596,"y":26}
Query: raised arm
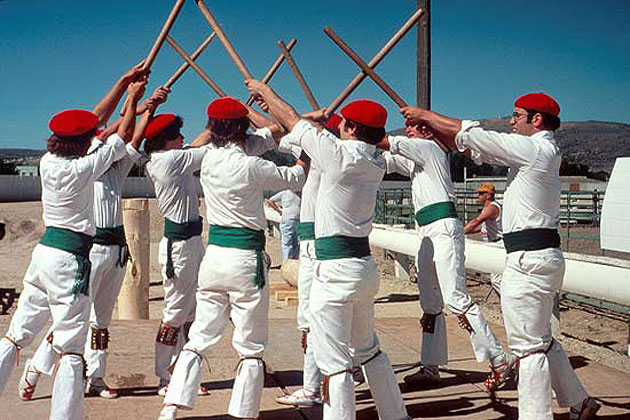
{"x":445,"y":128}
{"x":284,"y":113}
{"x":128,"y":123}
{"x":104,"y":109}
{"x":150,"y":105}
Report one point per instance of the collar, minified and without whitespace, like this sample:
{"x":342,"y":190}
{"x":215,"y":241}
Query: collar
{"x":360,"y":145}
{"x":545,"y":134}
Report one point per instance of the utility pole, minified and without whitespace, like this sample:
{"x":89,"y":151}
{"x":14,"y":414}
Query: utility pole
{"x":423,"y":83}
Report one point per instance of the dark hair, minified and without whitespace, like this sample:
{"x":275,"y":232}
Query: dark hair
{"x":370,"y":135}
{"x":169,"y":133}
{"x":70,"y":146}
{"x":550,"y":121}
{"x":223,"y":132}
{"x":333,"y":131}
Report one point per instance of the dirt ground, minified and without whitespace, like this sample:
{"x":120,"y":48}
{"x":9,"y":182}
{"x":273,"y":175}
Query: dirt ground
{"x":595,"y":334}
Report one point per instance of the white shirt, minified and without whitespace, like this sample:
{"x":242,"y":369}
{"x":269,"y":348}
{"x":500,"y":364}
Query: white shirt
{"x":233,"y":184}
{"x":428,"y":167}
{"x":290,"y":202}
{"x":68,"y":185}
{"x":172,"y":175}
{"x":532,"y":196}
{"x":491,"y":229}
{"x":108,"y":190}
{"x":352,"y":172}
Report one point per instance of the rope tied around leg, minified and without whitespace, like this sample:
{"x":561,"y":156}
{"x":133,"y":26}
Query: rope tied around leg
{"x":326,"y":383}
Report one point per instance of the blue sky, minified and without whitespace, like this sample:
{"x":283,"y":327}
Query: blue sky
{"x":60,"y":54}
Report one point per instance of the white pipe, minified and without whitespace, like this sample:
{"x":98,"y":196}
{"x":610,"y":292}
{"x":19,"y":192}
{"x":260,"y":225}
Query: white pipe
{"x":596,"y":277}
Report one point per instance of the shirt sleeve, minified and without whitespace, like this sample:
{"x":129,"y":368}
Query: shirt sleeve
{"x":285,"y":146}
{"x":92,"y":166}
{"x":188,"y":160}
{"x":416,"y":150}
{"x":398,"y":164}
{"x":321,"y":148}
{"x":277,"y":197}
{"x":496,"y":148}
{"x":260,"y":142}
{"x":267,"y":175}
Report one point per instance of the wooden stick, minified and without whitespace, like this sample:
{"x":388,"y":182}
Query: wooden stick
{"x":298,"y":75}
{"x":375,"y":61}
{"x":157,"y":45}
{"x":182,"y":69}
{"x":274,"y":67}
{"x":380,"y":82}
{"x":224,"y":40}
{"x":195,"y":67}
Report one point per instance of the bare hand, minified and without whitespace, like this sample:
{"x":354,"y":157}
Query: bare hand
{"x":160,"y":95}
{"x":426,"y":132}
{"x":136,"y":90}
{"x":137,"y":72}
{"x":262,"y":104}
{"x":412,"y":113}
{"x":255,"y":87}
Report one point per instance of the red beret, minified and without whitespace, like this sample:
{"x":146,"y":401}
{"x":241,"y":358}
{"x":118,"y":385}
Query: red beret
{"x":333,"y":122}
{"x":73,"y":123}
{"x":538,"y":102}
{"x":226,"y":109}
{"x":365,"y":112}
{"x":157,"y":124}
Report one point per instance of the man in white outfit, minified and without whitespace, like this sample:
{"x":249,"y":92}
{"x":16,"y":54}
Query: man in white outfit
{"x":233,"y":274}
{"x":440,"y":259}
{"x":57,"y":281}
{"x":488,"y":223}
{"x":346,"y":276}
{"x":535,"y":264}
{"x":309,"y":394}
{"x":109,"y":257}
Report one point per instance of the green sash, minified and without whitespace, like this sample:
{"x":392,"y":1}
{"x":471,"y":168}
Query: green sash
{"x":114,"y":236}
{"x":178,"y":232}
{"x":336,"y":247}
{"x":436,"y":211}
{"x":306,"y":231}
{"x":242,"y":238}
{"x":78,"y":244}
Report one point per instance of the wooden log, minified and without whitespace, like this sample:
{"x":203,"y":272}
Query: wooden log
{"x":133,"y":299}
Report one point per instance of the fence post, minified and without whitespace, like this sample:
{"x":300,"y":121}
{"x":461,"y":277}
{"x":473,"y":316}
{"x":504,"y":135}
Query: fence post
{"x":568,"y":219}
{"x":133,"y":300}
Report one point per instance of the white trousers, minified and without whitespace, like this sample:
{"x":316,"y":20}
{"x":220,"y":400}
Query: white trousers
{"x":342,"y":308}
{"x":105,"y":281}
{"x":312,"y":377}
{"x":179,"y":296}
{"x":48,"y":292}
{"x":442,"y":279}
{"x":226,"y":291}
{"x":530,"y":283}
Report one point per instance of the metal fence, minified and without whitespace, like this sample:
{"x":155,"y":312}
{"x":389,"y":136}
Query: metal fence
{"x":578,"y":209}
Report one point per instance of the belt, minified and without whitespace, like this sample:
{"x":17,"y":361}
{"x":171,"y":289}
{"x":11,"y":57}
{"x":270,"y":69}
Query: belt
{"x":336,"y":247}
{"x":436,"y":211}
{"x":114,"y":236}
{"x":78,"y":244}
{"x":306,"y":231}
{"x":178,"y":232}
{"x":242,"y":238}
{"x":531,"y":240}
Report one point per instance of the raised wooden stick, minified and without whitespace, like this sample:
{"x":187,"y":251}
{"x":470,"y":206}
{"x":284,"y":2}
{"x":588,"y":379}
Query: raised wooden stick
{"x":375,"y":61}
{"x":195,"y":67}
{"x":298,"y":75}
{"x":157,"y":45}
{"x":364,"y":66}
{"x":274,"y":67}
{"x":182,"y":69}
{"x":224,"y":40}
{"x":163,"y":33}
